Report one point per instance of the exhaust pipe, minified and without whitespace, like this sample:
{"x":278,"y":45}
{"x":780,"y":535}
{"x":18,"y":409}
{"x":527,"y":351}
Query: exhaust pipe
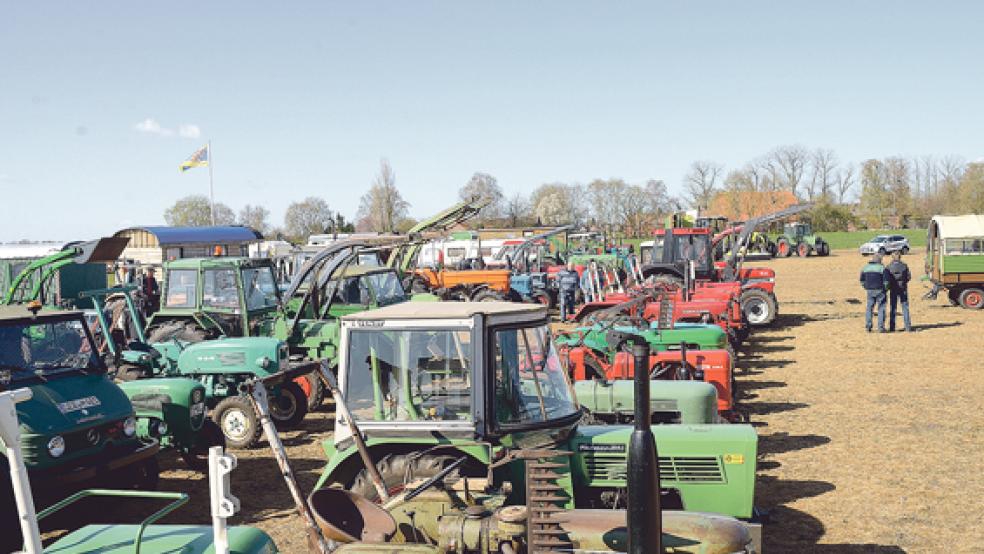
{"x":645,"y":515}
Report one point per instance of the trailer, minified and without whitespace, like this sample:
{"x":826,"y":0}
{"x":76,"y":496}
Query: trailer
{"x":955,"y":259}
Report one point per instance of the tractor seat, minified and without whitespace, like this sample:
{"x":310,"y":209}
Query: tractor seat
{"x":160,"y":538}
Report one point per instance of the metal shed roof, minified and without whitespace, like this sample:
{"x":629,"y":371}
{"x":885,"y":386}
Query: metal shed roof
{"x":218,"y":234}
{"x":960,"y":226}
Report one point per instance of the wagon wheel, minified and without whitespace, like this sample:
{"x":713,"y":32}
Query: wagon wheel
{"x":972,"y":299}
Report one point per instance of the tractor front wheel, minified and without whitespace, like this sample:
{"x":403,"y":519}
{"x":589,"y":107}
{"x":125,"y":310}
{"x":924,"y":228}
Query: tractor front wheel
{"x":972,"y":299}
{"x":803,"y":250}
{"x":398,"y":470}
{"x":783,"y":248}
{"x":208,"y":436}
{"x":758,"y":306}
{"x":238,"y":421}
{"x":289,"y":406}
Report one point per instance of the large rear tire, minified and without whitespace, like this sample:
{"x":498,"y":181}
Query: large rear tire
{"x":208,"y":436}
{"x":758,"y":306}
{"x":182,"y":330}
{"x":803,"y":250}
{"x":783,"y":248}
{"x":398,"y":470}
{"x":487,"y":295}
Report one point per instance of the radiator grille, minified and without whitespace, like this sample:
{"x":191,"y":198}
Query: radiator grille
{"x":690,"y":469}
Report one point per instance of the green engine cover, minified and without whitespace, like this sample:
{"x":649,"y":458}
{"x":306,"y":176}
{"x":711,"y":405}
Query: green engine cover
{"x":704,"y":337}
{"x":254,"y":355}
{"x":160,"y":538}
{"x":712,"y":467}
{"x":180,"y":403}
{"x":670,"y":401}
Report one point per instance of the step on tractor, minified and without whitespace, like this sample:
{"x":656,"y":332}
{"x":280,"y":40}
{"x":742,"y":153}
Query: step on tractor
{"x":465,"y":406}
{"x":798,"y":238}
{"x":76,"y":425}
{"x":22,"y":520}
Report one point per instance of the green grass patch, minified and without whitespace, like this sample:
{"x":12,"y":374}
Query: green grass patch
{"x":854,"y":239}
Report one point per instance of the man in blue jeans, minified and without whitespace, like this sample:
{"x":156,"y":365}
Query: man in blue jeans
{"x":876,"y":280}
{"x":899,"y":293}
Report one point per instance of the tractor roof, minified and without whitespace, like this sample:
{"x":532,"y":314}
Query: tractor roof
{"x":447,"y":310}
{"x":20,"y":311}
{"x":225,"y":261}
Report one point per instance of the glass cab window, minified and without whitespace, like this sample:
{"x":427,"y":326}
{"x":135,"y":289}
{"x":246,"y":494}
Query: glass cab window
{"x":182,"y":288}
{"x":41,"y":350}
{"x":260,"y":288}
{"x":405,"y":375}
{"x":387,"y":288}
{"x":694,"y":247}
{"x":219,"y":288}
{"x":530,"y":384}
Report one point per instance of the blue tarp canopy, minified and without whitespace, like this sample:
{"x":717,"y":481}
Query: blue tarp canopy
{"x":220,"y":234}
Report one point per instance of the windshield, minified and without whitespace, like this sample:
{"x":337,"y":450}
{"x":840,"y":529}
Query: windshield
{"x":404,"y":375}
{"x":530,"y":384}
{"x":879,"y":239}
{"x":181,"y":288}
{"x":260,"y":288}
{"x":43,"y":349}
{"x":694,"y":247}
{"x":387,"y":288}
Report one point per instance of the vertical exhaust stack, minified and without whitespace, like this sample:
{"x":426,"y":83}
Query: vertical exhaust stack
{"x":644,"y":516}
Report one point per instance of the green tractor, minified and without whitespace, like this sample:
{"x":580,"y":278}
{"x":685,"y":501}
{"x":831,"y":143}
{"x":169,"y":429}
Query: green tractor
{"x":479,"y":388}
{"x":18,"y":410}
{"x":798,"y":238}
{"x":77,"y":425}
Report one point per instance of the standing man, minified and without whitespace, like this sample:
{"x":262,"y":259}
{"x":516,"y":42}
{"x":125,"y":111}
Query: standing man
{"x":899,"y":293}
{"x":876,"y":280}
{"x":568,"y":282}
{"x":152,"y":292}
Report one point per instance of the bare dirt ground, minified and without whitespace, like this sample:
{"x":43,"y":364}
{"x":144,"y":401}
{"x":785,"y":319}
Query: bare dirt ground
{"x":868,"y":442}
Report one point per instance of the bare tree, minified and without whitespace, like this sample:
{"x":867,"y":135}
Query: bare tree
{"x":844,"y":181}
{"x":483,"y":185}
{"x":791,"y":161}
{"x":559,"y":204}
{"x":255,"y":217}
{"x":823,"y":163}
{"x":382,"y":208}
{"x":517,"y":210}
{"x":701,"y":181}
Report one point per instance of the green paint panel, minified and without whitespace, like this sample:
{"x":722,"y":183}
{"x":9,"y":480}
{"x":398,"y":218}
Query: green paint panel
{"x":191,"y":539}
{"x":963,"y":264}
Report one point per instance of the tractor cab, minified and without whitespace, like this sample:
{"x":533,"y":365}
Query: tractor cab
{"x":798,"y":230}
{"x":672,"y":249}
{"x":228,"y":296}
{"x":356,"y":288}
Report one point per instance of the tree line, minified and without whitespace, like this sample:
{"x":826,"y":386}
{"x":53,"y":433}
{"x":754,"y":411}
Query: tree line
{"x":894,"y":191}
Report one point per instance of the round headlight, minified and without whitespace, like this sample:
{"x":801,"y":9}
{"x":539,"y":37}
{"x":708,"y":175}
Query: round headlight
{"x":56,"y":446}
{"x":130,"y":426}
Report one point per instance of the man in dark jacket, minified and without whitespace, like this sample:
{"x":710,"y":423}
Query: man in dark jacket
{"x":899,"y":291}
{"x":567,"y":281}
{"x":876,"y":280}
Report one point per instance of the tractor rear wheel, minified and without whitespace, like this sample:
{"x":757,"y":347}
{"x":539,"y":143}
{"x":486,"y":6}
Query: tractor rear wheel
{"x":182,"y":330}
{"x":399,"y":469}
{"x":783,"y":248}
{"x":972,"y":299}
{"x":803,"y":250}
{"x":128,"y":372}
{"x":543,"y":299}
{"x":758,"y":307}
{"x":314,"y":390}
{"x":289,"y":406}
{"x":486,"y":295}
{"x":238,"y":421}
{"x":823,"y":248}
{"x":668,"y":281}
{"x":208,"y":436}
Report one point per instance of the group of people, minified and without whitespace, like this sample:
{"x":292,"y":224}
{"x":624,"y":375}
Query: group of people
{"x":889,"y":283}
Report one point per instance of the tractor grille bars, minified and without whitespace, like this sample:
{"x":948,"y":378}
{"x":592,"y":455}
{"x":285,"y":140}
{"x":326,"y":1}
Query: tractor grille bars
{"x":544,"y":498}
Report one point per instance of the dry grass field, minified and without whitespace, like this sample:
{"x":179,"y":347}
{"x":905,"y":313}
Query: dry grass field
{"x":868,"y":442}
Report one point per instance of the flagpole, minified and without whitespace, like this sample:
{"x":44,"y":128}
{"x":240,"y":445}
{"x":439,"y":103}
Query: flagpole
{"x":211,"y":189}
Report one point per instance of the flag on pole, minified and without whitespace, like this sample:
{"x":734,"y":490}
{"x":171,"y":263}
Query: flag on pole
{"x":198,"y":159}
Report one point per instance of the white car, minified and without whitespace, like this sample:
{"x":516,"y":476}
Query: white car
{"x":884,"y":244}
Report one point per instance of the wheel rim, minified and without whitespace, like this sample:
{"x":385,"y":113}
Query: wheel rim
{"x":974,"y":299}
{"x":305,"y":385}
{"x":783,"y":248}
{"x":803,"y":249}
{"x":543,"y":299}
{"x":283,"y":406}
{"x":756,"y":311}
{"x":235,"y":424}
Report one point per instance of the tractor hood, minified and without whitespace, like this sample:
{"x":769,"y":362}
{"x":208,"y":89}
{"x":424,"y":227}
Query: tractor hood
{"x":61,"y":405}
{"x":260,"y":355}
{"x":703,"y":335}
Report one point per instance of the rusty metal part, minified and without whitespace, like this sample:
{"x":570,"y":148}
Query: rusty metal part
{"x":545,"y":499}
{"x":346,"y":517}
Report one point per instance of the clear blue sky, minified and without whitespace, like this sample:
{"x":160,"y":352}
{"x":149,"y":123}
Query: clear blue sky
{"x":304,"y":99}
